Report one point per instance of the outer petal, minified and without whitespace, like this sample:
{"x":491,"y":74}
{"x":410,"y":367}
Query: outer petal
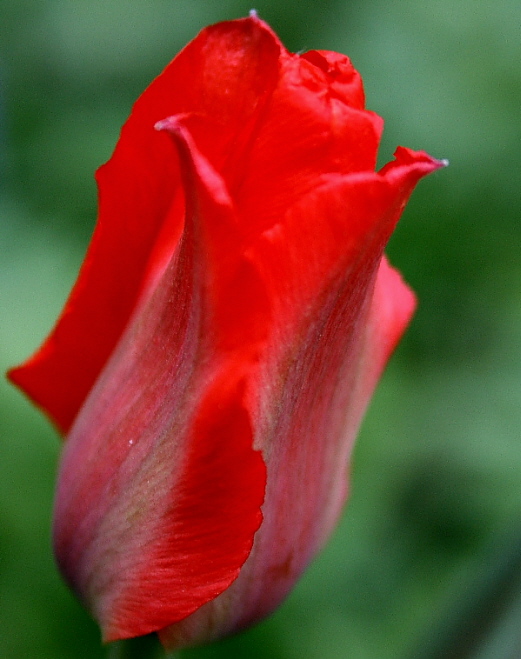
{"x":162,"y":513}
{"x":227,"y":72}
{"x":293,"y":530}
{"x":339,"y":312}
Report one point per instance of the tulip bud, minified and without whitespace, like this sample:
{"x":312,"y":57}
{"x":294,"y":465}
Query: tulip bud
{"x":233,"y":315}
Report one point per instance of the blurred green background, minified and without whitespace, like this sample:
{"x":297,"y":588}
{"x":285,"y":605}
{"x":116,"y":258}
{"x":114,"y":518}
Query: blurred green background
{"x":428,"y":550}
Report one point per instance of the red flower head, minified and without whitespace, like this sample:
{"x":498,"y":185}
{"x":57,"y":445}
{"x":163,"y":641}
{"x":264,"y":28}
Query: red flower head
{"x":231,"y":319}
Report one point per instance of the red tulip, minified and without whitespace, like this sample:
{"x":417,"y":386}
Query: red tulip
{"x":231,"y":319}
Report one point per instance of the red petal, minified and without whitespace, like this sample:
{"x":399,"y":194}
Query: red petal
{"x":328,"y":235}
{"x":162,"y":513}
{"x":333,"y":330}
{"x":344,"y":80}
{"x":309,"y":130}
{"x":227,"y":72}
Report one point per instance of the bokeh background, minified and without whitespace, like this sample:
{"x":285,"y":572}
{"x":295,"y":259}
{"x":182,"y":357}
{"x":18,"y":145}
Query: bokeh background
{"x":426,"y":561}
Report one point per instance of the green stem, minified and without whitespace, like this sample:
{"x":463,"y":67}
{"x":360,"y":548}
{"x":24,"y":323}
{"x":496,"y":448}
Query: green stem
{"x":143,"y":647}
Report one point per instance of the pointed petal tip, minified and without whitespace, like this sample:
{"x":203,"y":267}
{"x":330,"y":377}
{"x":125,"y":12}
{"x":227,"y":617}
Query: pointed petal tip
{"x":405,"y":156}
{"x":11,"y":374}
{"x":413,"y":165}
{"x":172,"y":124}
{"x":164,"y":124}
{"x":251,"y":19}
{"x":15,"y":375}
{"x":25,"y":377}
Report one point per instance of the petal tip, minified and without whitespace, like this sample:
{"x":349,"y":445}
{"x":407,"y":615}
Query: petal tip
{"x":405,"y":156}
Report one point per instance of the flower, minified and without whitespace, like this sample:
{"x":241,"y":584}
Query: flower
{"x":230,"y":321}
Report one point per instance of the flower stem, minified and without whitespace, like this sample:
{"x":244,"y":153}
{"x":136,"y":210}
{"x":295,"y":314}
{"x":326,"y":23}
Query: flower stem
{"x":143,"y":647}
